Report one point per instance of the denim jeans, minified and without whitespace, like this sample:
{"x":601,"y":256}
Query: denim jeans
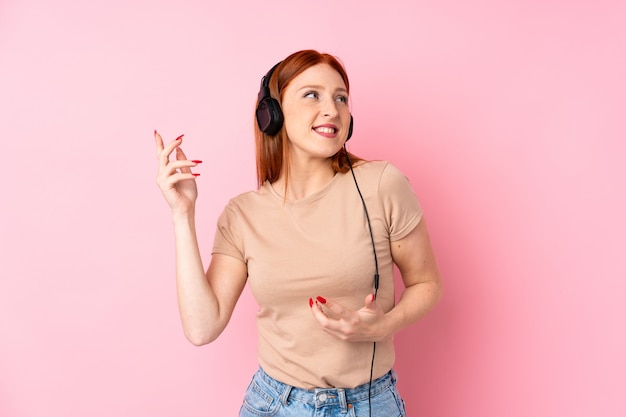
{"x":267,"y":397}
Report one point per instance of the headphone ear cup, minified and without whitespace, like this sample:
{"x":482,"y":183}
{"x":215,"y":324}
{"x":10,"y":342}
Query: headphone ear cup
{"x":269,"y":116}
{"x":350,"y":128}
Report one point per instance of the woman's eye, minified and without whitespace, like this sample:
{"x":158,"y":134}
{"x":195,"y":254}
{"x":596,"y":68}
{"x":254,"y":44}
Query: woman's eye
{"x":342,"y":99}
{"x":311,"y":94}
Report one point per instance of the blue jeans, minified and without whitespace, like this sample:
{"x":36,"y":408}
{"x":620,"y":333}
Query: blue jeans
{"x":267,"y":397}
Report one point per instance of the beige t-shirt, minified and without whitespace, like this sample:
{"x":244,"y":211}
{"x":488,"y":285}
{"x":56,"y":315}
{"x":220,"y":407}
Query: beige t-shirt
{"x":319,"y":245}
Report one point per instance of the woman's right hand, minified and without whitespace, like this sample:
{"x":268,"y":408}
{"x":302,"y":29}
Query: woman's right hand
{"x":174,"y":178}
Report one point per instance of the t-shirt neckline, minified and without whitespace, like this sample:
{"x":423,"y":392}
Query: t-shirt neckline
{"x":321,"y":193}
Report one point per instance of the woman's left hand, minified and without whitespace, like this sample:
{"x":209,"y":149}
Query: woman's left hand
{"x":363,"y":325}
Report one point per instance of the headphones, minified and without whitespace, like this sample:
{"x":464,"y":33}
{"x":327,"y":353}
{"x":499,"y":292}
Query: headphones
{"x":269,"y":116}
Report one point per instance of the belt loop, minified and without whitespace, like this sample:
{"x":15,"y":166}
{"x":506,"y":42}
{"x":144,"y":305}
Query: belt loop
{"x":284,"y":397}
{"x":341,"y":393}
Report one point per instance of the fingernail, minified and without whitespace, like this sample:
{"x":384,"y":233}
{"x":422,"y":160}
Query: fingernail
{"x":195,"y":161}
{"x":311,"y":302}
{"x":195,"y":175}
{"x":373,"y":297}
{"x":179,"y":138}
{"x":155,"y":132}
{"x":321,"y":299}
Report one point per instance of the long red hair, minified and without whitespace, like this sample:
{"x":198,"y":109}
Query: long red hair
{"x":272,"y":152}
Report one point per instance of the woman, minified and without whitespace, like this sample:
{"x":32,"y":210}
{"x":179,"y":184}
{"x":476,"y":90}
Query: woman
{"x":315,"y":242}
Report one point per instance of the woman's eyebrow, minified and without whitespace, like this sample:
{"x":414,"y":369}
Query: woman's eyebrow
{"x":319,"y":87}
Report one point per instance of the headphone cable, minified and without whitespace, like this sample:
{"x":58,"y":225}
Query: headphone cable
{"x":376,"y":276}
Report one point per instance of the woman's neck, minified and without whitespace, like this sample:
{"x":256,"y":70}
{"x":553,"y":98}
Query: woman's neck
{"x":305,"y":179}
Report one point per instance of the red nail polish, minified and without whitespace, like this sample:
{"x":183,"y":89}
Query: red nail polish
{"x":195,"y":175}
{"x":155,"y":132}
{"x":179,"y":138}
{"x":373,"y":298}
{"x":311,"y":302}
{"x":321,"y":299}
{"x":195,"y":161}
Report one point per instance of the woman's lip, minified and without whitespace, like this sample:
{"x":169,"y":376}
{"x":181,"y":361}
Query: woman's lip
{"x":328,"y":131}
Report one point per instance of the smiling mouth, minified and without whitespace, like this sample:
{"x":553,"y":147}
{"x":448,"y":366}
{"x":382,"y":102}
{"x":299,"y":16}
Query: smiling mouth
{"x":324,"y":129}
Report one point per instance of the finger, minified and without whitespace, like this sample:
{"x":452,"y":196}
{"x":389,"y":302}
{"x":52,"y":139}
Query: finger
{"x":172,"y":180}
{"x":336,"y":326}
{"x":164,"y":154}
{"x":187,"y":164}
{"x":164,"y":157}
{"x":166,"y":172}
{"x":334,"y":307}
{"x":180,"y":156}
{"x":159,"y":143}
{"x":318,"y":313}
{"x":180,"y":164}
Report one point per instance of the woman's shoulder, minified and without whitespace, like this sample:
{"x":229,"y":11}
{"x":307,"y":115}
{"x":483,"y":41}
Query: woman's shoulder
{"x":384,"y":175}
{"x":370,"y":166}
{"x":251,"y":197}
{"x":377,"y":169}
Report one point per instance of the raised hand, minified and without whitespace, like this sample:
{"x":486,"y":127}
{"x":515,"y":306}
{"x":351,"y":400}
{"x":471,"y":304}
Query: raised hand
{"x":174,"y":178}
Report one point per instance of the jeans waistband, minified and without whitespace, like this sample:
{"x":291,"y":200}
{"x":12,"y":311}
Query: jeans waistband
{"x":327,"y":396}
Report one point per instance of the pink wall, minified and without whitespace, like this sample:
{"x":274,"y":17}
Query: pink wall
{"x":507,"y":117}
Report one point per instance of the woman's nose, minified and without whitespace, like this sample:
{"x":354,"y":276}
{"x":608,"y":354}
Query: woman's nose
{"x":330,"y":108}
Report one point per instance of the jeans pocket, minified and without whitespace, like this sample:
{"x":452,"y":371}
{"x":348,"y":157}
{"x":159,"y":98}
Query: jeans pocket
{"x":386,"y":403}
{"x":399,"y":401}
{"x":259,"y":402}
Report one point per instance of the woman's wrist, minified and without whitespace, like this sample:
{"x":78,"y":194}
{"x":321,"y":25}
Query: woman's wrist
{"x":386,"y":328}
{"x":183,"y":216}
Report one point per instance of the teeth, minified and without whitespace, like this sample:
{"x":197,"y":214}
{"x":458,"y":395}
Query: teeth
{"x":325,"y":130}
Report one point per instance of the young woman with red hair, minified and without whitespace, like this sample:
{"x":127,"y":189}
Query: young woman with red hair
{"x":317,"y":243}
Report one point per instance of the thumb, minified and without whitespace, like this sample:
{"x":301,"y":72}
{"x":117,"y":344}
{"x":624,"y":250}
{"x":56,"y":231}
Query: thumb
{"x":370,"y":302}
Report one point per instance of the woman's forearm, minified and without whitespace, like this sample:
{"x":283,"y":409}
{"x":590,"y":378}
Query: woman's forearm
{"x":415,"y":302}
{"x":197,"y":302}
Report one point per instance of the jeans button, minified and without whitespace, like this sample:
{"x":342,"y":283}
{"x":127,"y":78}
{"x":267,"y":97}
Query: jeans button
{"x":323,"y":397}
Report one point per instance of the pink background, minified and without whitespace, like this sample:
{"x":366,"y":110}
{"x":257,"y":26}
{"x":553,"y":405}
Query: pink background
{"x":508,"y":117}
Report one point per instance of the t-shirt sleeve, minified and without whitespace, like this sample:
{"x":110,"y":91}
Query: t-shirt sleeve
{"x":227,"y":240}
{"x":401,"y":207}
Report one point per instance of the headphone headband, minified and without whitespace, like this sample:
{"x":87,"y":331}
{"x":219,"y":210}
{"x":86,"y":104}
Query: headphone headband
{"x":264,"y":89}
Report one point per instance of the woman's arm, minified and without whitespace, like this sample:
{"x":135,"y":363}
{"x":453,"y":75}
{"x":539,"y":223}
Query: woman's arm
{"x":415,"y":259}
{"x":205,"y":300}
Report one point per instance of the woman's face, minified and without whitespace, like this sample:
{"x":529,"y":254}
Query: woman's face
{"x":317,"y":117}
